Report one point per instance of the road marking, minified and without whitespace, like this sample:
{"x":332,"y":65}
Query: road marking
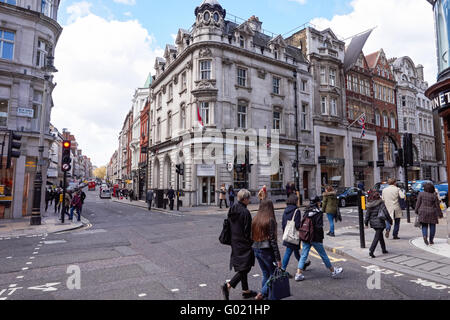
{"x":19,"y":277}
{"x":332,"y":259}
{"x":28,"y":263}
{"x":12,"y":285}
{"x":31,"y":258}
{"x":36,"y":248}
{"x":203,"y":285}
{"x":142,"y":295}
{"x":425,"y":283}
{"x":46,"y":287}
{"x":55,"y":242}
{"x":8,"y":257}
{"x":35,"y":252}
{"x":25,"y":269}
{"x":175,"y":290}
{"x":383,"y":271}
{"x":7,"y":238}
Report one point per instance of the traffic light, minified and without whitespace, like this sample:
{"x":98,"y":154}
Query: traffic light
{"x":180,"y":169}
{"x":12,"y":145}
{"x":408,"y":149}
{"x":66,"y":160}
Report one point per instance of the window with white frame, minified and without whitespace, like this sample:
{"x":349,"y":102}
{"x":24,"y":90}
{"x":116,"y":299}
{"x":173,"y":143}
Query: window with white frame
{"x":323,"y":105}
{"x":158,"y":130}
{"x":393,"y":121}
{"x":355,"y":83}
{"x":241,"y":42}
{"x":361,"y":86}
{"x":333,"y":107}
{"x":385,"y":120}
{"x":242,"y":115}
{"x":349,"y":82}
{"x":304,"y":85}
{"x":37,"y":103}
{"x":332,"y":77}
{"x":205,"y":69}
{"x":276,"y":85}
{"x":170,"y":92}
{"x":367,"y":86}
{"x":304,"y":117}
{"x":41,"y":54}
{"x":46,"y":7}
{"x":277,"y":120}
{"x":169,"y":124}
{"x":405,"y":124}
{"x":204,"y":112}
{"x":323,"y":78}
{"x":375,"y":88}
{"x":3,"y":112}
{"x":377,"y":118}
{"x":6,"y":44}
{"x":242,"y":77}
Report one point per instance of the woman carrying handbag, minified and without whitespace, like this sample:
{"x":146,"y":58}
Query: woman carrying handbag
{"x":377,"y":214}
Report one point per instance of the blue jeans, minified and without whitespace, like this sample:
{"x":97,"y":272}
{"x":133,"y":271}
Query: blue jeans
{"x":388,"y":226}
{"x":287,"y":256}
{"x":78,"y":213}
{"x":331,"y":220}
{"x":266,"y":260}
{"x":320,"y":250}
{"x":396,"y":227}
{"x":432,"y":230}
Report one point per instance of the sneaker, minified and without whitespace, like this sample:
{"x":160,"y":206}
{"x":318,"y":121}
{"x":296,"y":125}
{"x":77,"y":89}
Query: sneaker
{"x":336,"y":272}
{"x":299,"y":277}
{"x":332,"y":235}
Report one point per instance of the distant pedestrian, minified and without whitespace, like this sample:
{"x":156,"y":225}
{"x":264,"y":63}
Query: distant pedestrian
{"x":288,"y":215}
{"x":223,"y":196}
{"x":149,"y":199}
{"x":242,"y":256}
{"x":131,"y":195}
{"x":377,"y":214}
{"x":48,"y":196}
{"x":82,"y":197}
{"x":231,"y":195}
{"x":265,"y":244}
{"x":171,"y":197}
{"x":429,"y":211}
{"x":58,"y":200}
{"x":391,"y":196}
{"x":289,"y":189}
{"x":76,"y":205}
{"x":67,"y":203}
{"x":262,"y":194}
{"x":330,"y":207}
{"x":313,"y":215}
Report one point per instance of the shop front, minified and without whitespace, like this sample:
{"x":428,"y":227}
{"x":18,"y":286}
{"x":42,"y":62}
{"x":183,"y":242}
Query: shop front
{"x":6,"y":190}
{"x":331,"y":161}
{"x":206,"y":175}
{"x":363,"y":164}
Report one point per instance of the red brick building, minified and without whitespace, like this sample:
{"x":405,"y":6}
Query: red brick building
{"x":386,"y":117}
{"x":144,"y":144}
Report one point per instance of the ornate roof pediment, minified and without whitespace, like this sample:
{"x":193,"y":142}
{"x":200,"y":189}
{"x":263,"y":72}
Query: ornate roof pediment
{"x":278,"y":41}
{"x":245,"y":28}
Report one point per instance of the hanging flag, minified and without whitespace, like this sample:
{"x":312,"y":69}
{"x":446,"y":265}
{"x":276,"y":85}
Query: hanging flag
{"x":199,"y":117}
{"x":362,"y":123}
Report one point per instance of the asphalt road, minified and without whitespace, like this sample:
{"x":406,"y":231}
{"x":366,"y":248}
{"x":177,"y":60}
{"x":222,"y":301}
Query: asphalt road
{"x":131,"y":253}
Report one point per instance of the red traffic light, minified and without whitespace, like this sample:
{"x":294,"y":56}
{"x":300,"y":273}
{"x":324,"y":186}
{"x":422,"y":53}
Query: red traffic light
{"x":66,"y":144}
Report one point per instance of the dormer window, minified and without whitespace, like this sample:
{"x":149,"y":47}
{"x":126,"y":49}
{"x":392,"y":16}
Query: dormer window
{"x":241,"y":42}
{"x":216,"y":17}
{"x":276,"y":54}
{"x":206,"y":16}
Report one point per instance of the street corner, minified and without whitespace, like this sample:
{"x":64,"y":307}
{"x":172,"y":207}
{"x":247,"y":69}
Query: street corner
{"x":440,"y":247}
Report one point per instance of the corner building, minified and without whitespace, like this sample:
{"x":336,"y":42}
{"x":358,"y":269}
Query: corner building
{"x":230,"y":76}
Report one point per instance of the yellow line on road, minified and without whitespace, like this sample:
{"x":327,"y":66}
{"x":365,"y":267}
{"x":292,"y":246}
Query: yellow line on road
{"x":332,"y":259}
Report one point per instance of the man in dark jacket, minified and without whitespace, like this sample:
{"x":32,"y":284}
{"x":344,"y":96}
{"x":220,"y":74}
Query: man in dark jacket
{"x":171,"y":196}
{"x":48,"y":196}
{"x":314,"y":215}
{"x":242,"y":256}
{"x":149,"y":199}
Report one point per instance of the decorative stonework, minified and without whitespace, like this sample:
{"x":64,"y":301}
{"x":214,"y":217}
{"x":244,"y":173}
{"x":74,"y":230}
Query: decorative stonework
{"x":262,"y":74}
{"x":189,"y":65}
{"x":227,"y":61}
{"x":205,"y":52}
{"x":175,"y":79}
{"x":205,"y":84}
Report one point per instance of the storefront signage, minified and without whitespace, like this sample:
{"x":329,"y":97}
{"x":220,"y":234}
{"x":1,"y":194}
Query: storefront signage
{"x":206,"y":170}
{"x":363,"y":163}
{"x":380,"y":164}
{"x":25,"y":112}
{"x":331,"y":161}
{"x":442,"y":101}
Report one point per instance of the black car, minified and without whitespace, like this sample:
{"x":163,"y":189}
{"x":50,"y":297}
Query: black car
{"x":348,"y":196}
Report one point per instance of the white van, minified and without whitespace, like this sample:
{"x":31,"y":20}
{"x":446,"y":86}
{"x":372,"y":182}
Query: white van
{"x":105,"y":193}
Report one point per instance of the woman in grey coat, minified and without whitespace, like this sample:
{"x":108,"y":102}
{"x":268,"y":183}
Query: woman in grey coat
{"x":429,"y":211}
{"x":377,"y":214}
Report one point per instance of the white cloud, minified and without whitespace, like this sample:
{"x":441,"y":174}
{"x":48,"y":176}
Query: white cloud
{"x":128,"y":14}
{"x":127,"y":2}
{"x":78,"y":10}
{"x":100,"y":65}
{"x":404,"y":28}
{"x":299,"y":1}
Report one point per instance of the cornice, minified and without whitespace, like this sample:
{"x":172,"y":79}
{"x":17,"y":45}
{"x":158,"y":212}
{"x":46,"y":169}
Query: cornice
{"x":224,"y":46}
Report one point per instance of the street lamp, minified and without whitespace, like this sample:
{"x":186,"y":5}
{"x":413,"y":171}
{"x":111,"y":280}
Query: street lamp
{"x":37,"y":194}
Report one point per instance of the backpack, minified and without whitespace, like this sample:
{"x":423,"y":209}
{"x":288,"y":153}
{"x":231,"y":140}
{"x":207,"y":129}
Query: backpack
{"x":306,"y":231}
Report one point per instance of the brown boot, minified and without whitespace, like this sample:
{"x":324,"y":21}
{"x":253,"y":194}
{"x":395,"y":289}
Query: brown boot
{"x":426,"y":241}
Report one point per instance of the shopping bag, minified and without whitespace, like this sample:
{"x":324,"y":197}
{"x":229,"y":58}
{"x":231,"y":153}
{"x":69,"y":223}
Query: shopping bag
{"x":417,"y":224}
{"x":291,"y":234}
{"x":225,"y":235}
{"x":278,"y":285}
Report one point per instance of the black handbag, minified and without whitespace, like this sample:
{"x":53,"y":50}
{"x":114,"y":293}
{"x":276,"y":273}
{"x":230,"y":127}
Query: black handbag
{"x":225,"y":235}
{"x":278,"y":285}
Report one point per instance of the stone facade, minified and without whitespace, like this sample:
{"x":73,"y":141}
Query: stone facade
{"x":29,"y":33}
{"x":227,"y":76}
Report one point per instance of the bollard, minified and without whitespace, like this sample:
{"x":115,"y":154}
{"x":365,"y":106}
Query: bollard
{"x":361,"y":205}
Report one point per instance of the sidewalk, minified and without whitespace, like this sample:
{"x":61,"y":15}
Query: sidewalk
{"x":409,"y":255}
{"x":51,"y":224}
{"x":202,"y":210}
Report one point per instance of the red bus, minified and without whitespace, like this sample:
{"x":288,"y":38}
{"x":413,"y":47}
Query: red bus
{"x":91,"y":186}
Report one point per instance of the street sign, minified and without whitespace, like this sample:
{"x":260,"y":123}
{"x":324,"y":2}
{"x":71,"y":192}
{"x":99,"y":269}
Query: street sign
{"x":66,"y":167}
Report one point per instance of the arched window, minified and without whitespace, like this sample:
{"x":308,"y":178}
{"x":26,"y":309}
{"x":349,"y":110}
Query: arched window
{"x":393,"y":121}
{"x":158,"y":130}
{"x":377,"y":118}
{"x":241,"y":42}
{"x":385,"y":120}
{"x":183,"y":117}
{"x":276,"y":180}
{"x":169,"y":124}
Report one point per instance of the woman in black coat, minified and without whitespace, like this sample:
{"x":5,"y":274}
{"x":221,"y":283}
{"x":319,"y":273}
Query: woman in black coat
{"x":242,"y":256}
{"x":375,"y":205}
{"x":288,"y":214}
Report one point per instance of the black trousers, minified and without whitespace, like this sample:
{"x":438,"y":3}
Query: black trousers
{"x":171,"y":204}
{"x":242,"y":277}
{"x":379,"y":237}
{"x":149,"y":203}
{"x":57,"y":206}
{"x":220,"y":203}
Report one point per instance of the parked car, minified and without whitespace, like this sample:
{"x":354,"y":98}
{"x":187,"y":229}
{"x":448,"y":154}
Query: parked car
{"x":348,"y":196}
{"x":443,"y":192}
{"x":416,"y":188}
{"x":380,"y":186}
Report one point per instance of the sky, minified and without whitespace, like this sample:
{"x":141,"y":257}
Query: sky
{"x":108,"y":48}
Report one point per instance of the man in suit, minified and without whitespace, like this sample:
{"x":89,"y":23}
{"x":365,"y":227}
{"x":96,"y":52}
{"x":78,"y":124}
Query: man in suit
{"x":171,"y":196}
{"x":149,"y":199}
{"x":391,"y":196}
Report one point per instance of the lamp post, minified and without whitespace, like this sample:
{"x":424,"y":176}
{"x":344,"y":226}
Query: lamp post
{"x":38,"y":180}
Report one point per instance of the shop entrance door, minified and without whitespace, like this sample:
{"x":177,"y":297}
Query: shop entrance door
{"x":208,"y":191}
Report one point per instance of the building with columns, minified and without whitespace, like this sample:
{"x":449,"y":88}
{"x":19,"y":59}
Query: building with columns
{"x":223,"y":75}
{"x":29,"y":32}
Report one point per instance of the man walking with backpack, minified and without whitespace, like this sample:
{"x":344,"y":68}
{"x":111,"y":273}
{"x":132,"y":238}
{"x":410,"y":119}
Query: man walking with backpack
{"x":312,"y":235}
